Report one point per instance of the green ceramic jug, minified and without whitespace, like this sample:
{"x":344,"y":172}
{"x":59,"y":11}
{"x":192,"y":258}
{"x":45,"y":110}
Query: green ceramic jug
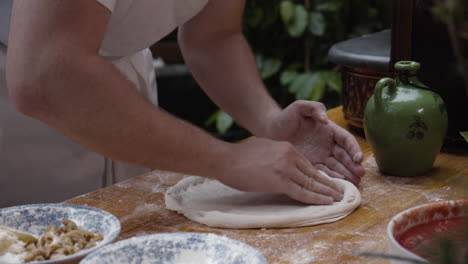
{"x":405,"y":123}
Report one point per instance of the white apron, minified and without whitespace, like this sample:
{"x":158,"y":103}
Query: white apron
{"x":37,"y":163}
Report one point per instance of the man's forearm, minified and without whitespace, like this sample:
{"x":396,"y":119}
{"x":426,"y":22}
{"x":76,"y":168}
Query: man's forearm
{"x":226,"y":70}
{"x":90,"y":101}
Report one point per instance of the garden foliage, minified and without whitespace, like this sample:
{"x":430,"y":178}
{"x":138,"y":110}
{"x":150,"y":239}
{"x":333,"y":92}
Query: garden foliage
{"x":291,"y":39}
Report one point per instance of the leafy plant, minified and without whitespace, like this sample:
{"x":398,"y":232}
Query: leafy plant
{"x":222,"y":120}
{"x":464,"y":135}
{"x":291,"y":39}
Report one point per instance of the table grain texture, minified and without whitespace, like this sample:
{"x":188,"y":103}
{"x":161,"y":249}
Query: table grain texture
{"x":139,"y":205}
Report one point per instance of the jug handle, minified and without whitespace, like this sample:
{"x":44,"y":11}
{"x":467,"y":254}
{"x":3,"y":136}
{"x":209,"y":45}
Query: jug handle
{"x":384,"y":82}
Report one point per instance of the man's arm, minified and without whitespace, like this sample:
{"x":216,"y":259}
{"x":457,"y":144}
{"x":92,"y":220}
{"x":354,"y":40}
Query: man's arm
{"x":222,"y":62}
{"x":54,"y":74}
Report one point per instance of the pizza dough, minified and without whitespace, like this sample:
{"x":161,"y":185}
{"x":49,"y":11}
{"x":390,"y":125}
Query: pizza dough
{"x":214,"y":204}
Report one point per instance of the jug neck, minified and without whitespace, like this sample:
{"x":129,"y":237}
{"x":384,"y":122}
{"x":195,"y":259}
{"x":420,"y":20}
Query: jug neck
{"x":409,"y":78}
{"x":407,"y":74}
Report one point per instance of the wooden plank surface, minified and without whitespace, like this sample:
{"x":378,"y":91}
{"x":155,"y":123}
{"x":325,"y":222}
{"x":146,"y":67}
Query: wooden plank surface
{"x":139,"y":204}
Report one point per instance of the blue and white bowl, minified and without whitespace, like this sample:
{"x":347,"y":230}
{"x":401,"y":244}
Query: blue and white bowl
{"x":35,"y":218}
{"x":175,"y":248}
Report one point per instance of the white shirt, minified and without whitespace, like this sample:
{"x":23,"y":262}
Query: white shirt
{"x":39,"y":164}
{"x":134,"y":26}
{"x":137,"y":24}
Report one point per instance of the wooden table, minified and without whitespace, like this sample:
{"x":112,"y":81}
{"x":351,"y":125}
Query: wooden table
{"x":139,"y":204}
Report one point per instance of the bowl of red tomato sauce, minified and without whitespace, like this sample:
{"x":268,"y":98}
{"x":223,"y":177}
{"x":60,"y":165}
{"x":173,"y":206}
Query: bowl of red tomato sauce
{"x":419,"y":233}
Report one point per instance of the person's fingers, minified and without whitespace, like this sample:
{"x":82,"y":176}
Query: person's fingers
{"x":313,"y":180}
{"x":313,"y":110}
{"x":330,"y":173}
{"x":348,"y":142}
{"x":301,"y":194}
{"x":305,"y":167}
{"x":344,"y":158}
{"x":315,"y":186}
{"x":336,"y":166}
{"x":327,"y":181}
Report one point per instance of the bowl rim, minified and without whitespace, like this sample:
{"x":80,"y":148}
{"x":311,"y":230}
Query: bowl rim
{"x":392,"y":221}
{"x":82,"y":253}
{"x":145,"y":238}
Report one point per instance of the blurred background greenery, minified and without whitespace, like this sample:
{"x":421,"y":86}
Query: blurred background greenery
{"x":290,"y":40}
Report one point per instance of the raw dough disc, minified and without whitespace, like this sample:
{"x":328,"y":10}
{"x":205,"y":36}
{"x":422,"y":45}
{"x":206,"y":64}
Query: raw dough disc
{"x":214,"y":204}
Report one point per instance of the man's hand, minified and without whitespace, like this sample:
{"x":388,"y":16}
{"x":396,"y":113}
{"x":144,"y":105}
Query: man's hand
{"x":326,"y":145}
{"x":264,"y":165}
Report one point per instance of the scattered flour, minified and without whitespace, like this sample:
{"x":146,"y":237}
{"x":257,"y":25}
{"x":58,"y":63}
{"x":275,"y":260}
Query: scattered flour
{"x":141,"y":211}
{"x":158,"y":189}
{"x":301,"y":245}
{"x":124,"y":185}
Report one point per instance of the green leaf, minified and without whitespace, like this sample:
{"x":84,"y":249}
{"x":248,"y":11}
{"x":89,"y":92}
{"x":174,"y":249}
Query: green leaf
{"x":317,"y":23}
{"x":328,"y":6}
{"x":332,"y":79}
{"x":269,"y":67}
{"x":308,"y":86}
{"x":305,"y":90}
{"x":259,"y":61}
{"x":464,"y":135}
{"x":312,"y":89}
{"x":298,"y":23}
{"x":223,"y":122}
{"x":212,"y":118}
{"x":287,"y":77}
{"x":317,"y":91}
{"x":286,"y":11}
{"x":297,"y":83}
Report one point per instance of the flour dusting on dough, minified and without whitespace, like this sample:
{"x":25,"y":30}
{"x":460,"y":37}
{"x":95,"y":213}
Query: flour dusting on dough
{"x":214,"y":204}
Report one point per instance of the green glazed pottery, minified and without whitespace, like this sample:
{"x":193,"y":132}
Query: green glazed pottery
{"x":405,"y":123}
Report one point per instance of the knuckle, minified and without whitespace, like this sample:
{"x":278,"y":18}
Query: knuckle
{"x":324,"y":189}
{"x":280,"y":168}
{"x":350,"y":142}
{"x":288,"y":148}
{"x":321,"y":105}
{"x":347,"y":141}
{"x":309,"y":184}
{"x":330,"y":162}
{"x":318,"y":106}
{"x":320,"y":167}
{"x":299,"y":105}
{"x":339,"y":153}
{"x":314,"y":175}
